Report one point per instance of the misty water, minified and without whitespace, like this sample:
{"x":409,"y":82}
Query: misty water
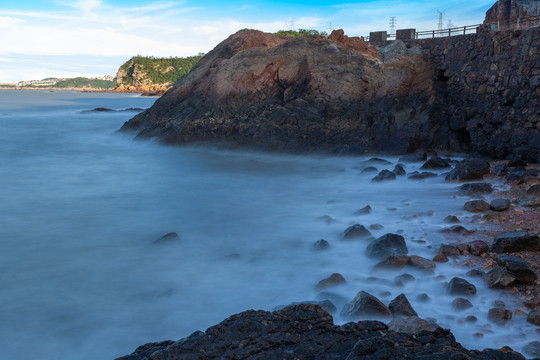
{"x":81,"y":276}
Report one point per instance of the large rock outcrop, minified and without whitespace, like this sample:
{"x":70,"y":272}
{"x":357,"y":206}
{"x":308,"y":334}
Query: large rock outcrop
{"x":306,"y":331}
{"x":506,"y":12}
{"x":308,"y":93}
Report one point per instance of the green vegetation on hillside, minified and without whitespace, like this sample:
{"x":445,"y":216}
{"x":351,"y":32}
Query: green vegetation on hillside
{"x":300,"y":32}
{"x":81,"y":82}
{"x":158,"y":70}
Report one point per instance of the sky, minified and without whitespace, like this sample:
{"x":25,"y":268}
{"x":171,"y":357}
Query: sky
{"x":68,"y":38}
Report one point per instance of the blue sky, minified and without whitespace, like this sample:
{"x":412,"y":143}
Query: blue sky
{"x":67,"y":38}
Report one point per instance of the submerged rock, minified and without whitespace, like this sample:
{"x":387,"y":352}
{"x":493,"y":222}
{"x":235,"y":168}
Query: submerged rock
{"x":476,"y":206}
{"x":356,"y":231}
{"x":401,"y":306}
{"x":471,"y":169}
{"x":363,"y":211}
{"x":435,"y":163}
{"x":461,"y":304}
{"x":421,"y":263}
{"x":333,"y":280}
{"x":321,"y":245}
{"x":365,"y":306}
{"x":451,"y":219}
{"x":499,"y":316}
{"x":534,"y":317}
{"x":384,"y":175}
{"x":393,"y":262}
{"x":421,"y":175}
{"x":399,"y":170}
{"x":458,"y":286}
{"x":172,"y":236}
{"x":389,"y":244}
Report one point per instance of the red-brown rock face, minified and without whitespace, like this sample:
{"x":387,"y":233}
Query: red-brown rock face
{"x":506,"y":12}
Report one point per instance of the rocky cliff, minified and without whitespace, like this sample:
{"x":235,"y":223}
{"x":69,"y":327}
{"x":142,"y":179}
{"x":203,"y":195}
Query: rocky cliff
{"x":506,"y":12}
{"x":307,"y":332}
{"x":308,"y":93}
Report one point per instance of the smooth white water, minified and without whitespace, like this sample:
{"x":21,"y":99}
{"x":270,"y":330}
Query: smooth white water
{"x":81,"y":207}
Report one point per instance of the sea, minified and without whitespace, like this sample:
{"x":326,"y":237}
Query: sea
{"x":83,"y":275}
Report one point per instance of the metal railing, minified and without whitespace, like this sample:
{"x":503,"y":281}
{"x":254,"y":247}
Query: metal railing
{"x":513,"y":24}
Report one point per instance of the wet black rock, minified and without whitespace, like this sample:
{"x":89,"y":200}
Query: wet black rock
{"x":306,"y":331}
{"x":451,"y":219}
{"x":369,"y":169}
{"x":515,"y":241}
{"x":384,"y":175}
{"x":321,"y":245}
{"x":365,"y":306}
{"x":389,"y":244}
{"x":333,"y":280}
{"x":476,"y":206}
{"x":449,"y":250}
{"x":401,"y":306}
{"x":409,"y":325}
{"x":527,"y":200}
{"x":532,"y":349}
{"x":363,"y":211}
{"x":475,"y":189}
{"x":460,"y":287}
{"x":499,"y":277}
{"x":327,"y":305}
{"x":376,"y":227}
{"x":499,"y":316}
{"x":395,"y":262}
{"x":421,"y":263}
{"x":403,"y":279}
{"x":471,"y":169}
{"x":534,"y":317}
{"x":435,"y":163}
{"x":356,"y":231}
{"x":421,"y":175}
{"x":377,"y":161}
{"x":534,"y":190}
{"x":172,"y":236}
{"x":456,"y":229}
{"x":399,"y":170}
{"x":517,"y":267}
{"x":461,"y":304}
{"x":500,"y":205}
{"x":478,"y":247}
{"x":475,"y":273}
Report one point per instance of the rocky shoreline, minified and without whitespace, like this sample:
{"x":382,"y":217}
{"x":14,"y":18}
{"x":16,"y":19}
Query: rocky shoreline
{"x":498,"y":241}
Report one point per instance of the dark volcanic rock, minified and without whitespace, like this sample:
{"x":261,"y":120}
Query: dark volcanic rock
{"x":476,"y":206}
{"x":389,"y":244}
{"x":369,"y":169}
{"x":363,"y":211}
{"x":475,"y":189}
{"x":384,"y":175}
{"x":458,"y":286}
{"x":306,"y":331}
{"x":435,"y":163}
{"x":517,"y":267}
{"x":532,"y":349}
{"x":499,"y":277}
{"x":401,"y":306}
{"x":472,"y":169}
{"x":500,"y":205}
{"x":478,"y":247}
{"x":456,"y":229}
{"x":332,"y":280}
{"x":534,"y":317}
{"x":461,"y":304}
{"x":499,"y":316}
{"x":422,"y":175}
{"x":534,"y":190}
{"x":365,"y":306}
{"x":356,"y":231}
{"x":321,"y":245}
{"x":451,"y":219}
{"x":377,"y":161}
{"x":399,"y":170}
{"x":515,"y":241}
{"x":409,"y":325}
{"x":172,"y":236}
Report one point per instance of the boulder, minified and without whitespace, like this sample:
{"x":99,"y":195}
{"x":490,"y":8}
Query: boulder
{"x":356,"y":231}
{"x":401,"y":306}
{"x":333,"y":280}
{"x":169,"y":237}
{"x":423,"y":298}
{"x":415,"y":175}
{"x":461,"y":304}
{"x":369,"y":169}
{"x":326,"y":305}
{"x":478,"y":247}
{"x":451,"y":219}
{"x":471,"y":169}
{"x":534,"y":190}
{"x":529,"y":200}
{"x":440,"y":258}
{"x":384,"y":175}
{"x":409,"y":325}
{"x":499,"y":277}
{"x":376,"y":227}
{"x":393,"y":262}
{"x":515,"y":241}
{"x":363,"y":211}
{"x":534,"y":317}
{"x":475,"y":189}
{"x":460,"y":287}
{"x":533,"y":303}
{"x":500,"y":170}
{"x":517,"y":267}
{"x":403,"y":279}
{"x":456,"y":229}
{"x":435,"y":163}
{"x":476,"y":273}
{"x":389,"y":244}
{"x":532,"y":349}
{"x":421,"y":263}
{"x":500,"y":205}
{"x":476,"y":206}
{"x":377,"y":161}
{"x":365,"y":306}
{"x":499,"y":316}
{"x":321,"y":245}
{"x":399,"y":170}
{"x":449,"y":250}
